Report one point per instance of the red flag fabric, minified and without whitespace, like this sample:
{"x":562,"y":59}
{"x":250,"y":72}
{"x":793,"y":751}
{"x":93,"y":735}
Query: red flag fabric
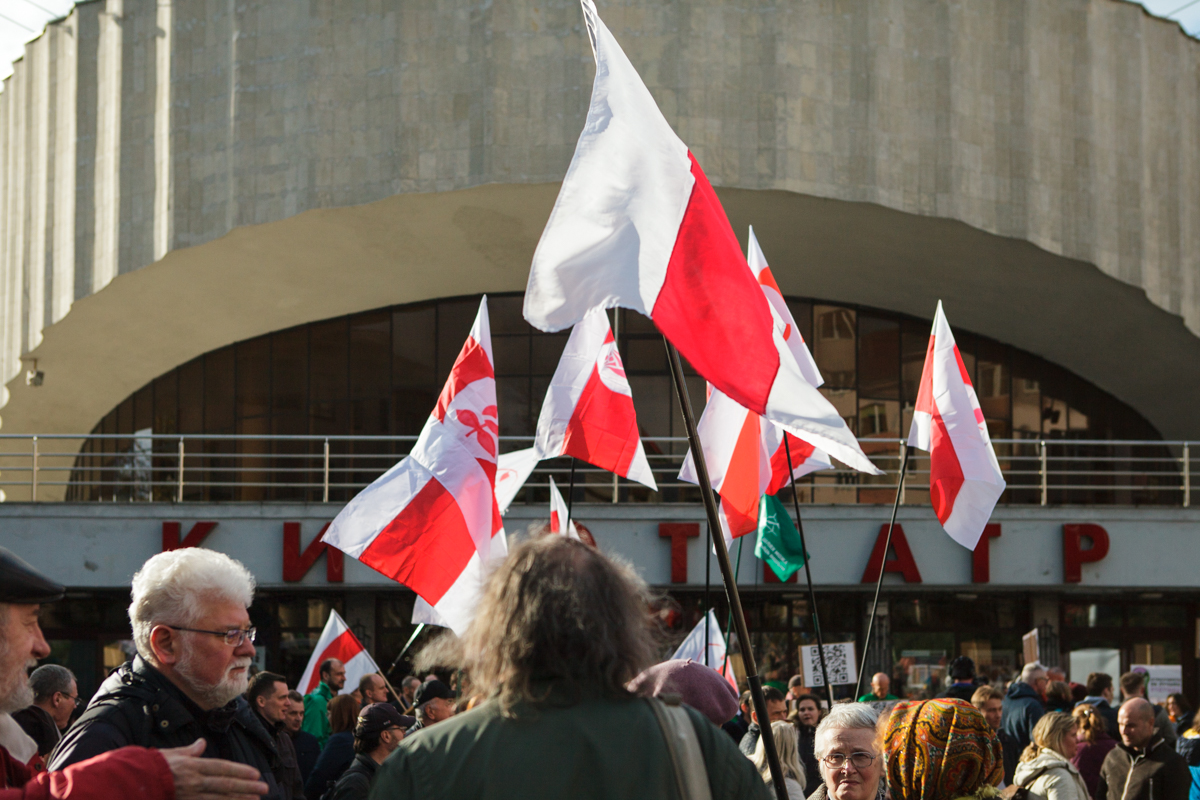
{"x":432,"y":522}
{"x":588,"y":411}
{"x":637,"y":225}
{"x":964,"y":477}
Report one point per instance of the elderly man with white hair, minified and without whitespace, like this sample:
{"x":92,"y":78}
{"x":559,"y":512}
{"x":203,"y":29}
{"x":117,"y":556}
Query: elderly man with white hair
{"x":177,"y":773}
{"x":195,"y":643}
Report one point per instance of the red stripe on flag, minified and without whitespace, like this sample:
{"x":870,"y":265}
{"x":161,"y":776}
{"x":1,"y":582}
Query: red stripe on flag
{"x":471,"y":365}
{"x":945,"y":473}
{"x":711,"y":307}
{"x":345,"y":647}
{"x":766,"y":278}
{"x":925,"y":390}
{"x":603,"y":427}
{"x":426,"y":547}
{"x":780,"y":478}
{"x":740,"y":489}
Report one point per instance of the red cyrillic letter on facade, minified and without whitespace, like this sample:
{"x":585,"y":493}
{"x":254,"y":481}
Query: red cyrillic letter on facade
{"x":296,"y":564}
{"x":1075,"y":556}
{"x":170,"y":535}
{"x":679,"y":533}
{"x":902,"y":563}
{"x":981,"y":559}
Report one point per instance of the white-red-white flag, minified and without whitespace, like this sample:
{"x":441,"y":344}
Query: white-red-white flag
{"x":513,"y":469}
{"x":745,"y":458}
{"x":588,"y":411}
{"x":964,"y":477}
{"x":637,"y":225}
{"x":559,"y":514}
{"x":712,"y":653}
{"x":432,"y":522}
{"x":338,"y":641}
{"x":791,"y":333}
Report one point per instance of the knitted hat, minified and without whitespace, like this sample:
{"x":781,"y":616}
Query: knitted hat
{"x":701,"y":687}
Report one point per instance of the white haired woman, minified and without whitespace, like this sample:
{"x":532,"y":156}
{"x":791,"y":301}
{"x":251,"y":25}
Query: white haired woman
{"x":1046,"y":769}
{"x":847,"y":749}
{"x":787,"y":744}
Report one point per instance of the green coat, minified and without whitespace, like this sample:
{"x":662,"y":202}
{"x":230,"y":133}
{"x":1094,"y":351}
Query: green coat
{"x":598,"y":748}
{"x":316,"y":713}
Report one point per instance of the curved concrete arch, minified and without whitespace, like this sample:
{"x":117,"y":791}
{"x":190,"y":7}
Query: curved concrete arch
{"x":136,"y":130}
{"x":415,"y":247}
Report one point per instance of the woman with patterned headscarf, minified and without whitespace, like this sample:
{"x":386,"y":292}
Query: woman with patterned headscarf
{"x":941,"y":750}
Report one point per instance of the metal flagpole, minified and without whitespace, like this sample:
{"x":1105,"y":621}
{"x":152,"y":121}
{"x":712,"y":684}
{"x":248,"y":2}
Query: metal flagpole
{"x":404,"y":649}
{"x":707,"y":598}
{"x":812,"y":597}
{"x":882,"y":563}
{"x":570,"y":498}
{"x":731,"y":590}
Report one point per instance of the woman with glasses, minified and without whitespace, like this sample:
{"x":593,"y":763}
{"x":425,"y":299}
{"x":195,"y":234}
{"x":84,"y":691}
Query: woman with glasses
{"x":1046,"y":769}
{"x":787,"y":745}
{"x":847,"y":749}
{"x":941,"y":750}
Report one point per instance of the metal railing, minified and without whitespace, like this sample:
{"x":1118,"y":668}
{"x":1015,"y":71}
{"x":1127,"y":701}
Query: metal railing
{"x":177,"y":468}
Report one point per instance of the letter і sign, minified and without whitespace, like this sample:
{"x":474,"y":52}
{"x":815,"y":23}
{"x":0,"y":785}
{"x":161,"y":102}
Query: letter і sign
{"x":170,"y":535}
{"x":679,"y":533}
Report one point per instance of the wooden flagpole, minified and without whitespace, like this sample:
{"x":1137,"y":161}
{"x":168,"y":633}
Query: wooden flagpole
{"x":812,"y":596}
{"x":731,"y":590}
{"x":882,"y":563}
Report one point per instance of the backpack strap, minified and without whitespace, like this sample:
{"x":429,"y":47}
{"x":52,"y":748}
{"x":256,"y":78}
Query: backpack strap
{"x":691,"y":773}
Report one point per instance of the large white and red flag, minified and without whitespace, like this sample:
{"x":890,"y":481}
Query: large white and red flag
{"x":964,"y":477}
{"x":588,"y":411}
{"x":432,"y":522}
{"x":745,"y":458}
{"x":707,"y":648}
{"x":560,"y":514}
{"x":791,"y":333}
{"x":637,"y":225}
{"x":338,"y":641}
{"x":513,"y":469}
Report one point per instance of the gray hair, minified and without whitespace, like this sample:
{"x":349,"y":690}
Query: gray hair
{"x":48,"y":679}
{"x":172,"y":588}
{"x":1032,"y":671}
{"x":842,"y":717}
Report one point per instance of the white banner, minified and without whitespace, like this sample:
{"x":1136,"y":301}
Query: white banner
{"x":840,"y":663}
{"x":1161,"y":680}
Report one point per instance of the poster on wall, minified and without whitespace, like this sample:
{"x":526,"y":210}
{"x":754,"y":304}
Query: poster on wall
{"x":839,"y":662}
{"x":1161,"y":680}
{"x":1095,"y":659}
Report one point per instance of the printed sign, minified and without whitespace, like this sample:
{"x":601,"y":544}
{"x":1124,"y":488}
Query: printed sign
{"x":1161,"y":680}
{"x":839,"y":662}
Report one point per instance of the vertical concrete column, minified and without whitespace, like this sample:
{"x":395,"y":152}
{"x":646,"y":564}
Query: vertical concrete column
{"x":18,"y":172}
{"x":37,"y":57}
{"x":65,"y":48}
{"x":5,"y":225}
{"x":163,"y":174}
{"x":108,"y":145}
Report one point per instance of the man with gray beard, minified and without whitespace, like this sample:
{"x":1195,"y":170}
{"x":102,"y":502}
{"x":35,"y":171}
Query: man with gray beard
{"x":195,"y":643}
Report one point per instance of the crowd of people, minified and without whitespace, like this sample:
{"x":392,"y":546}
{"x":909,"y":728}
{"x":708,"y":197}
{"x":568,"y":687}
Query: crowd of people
{"x":564,"y":700}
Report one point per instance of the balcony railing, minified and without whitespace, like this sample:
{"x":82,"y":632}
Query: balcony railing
{"x":181,"y":468}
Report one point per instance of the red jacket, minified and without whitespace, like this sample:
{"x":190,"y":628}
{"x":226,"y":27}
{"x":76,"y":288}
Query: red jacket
{"x":131,"y":773}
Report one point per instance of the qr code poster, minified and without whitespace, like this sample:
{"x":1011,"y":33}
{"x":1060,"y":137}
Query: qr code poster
{"x":839,"y":661}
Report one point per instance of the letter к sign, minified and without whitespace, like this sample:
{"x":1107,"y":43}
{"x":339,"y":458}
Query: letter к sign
{"x":297,"y":564}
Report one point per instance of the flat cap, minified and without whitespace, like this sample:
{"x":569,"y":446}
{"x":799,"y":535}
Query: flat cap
{"x":21,"y":583}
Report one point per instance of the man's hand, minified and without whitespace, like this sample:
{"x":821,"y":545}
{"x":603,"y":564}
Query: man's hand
{"x":199,"y":778}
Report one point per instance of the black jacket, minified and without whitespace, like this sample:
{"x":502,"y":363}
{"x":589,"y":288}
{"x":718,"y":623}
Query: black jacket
{"x":38,"y":723}
{"x":808,"y":757}
{"x":960,"y":691}
{"x":138,"y":705}
{"x":1158,"y":773}
{"x":307,"y":752}
{"x":287,"y":770}
{"x":333,"y":761}
{"x":355,"y":782}
{"x":737,"y":727}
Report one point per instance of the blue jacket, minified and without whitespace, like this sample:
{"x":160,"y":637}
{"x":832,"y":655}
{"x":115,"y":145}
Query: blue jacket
{"x":1022,"y":709}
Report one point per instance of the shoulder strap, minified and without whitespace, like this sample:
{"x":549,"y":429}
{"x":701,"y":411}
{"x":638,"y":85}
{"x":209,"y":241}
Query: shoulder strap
{"x":691,"y":773}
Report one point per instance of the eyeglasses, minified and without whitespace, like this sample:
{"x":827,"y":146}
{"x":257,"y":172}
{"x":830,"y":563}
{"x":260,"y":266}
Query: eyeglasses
{"x":74,"y":698}
{"x":860,"y":760}
{"x":233,"y":637}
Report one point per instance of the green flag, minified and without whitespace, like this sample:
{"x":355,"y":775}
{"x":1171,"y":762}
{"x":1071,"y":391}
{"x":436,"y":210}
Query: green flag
{"x":778,"y":541}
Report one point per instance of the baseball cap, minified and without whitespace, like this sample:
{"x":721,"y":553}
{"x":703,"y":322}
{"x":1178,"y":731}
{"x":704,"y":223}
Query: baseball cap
{"x":379,"y":717}
{"x":430,"y":689}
